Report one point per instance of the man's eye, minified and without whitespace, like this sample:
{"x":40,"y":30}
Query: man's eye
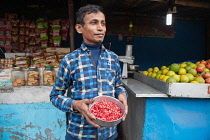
{"x":93,"y":22}
{"x":103,"y":24}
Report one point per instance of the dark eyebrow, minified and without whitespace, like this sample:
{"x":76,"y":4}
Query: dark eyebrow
{"x":97,"y":20}
{"x":94,"y":20}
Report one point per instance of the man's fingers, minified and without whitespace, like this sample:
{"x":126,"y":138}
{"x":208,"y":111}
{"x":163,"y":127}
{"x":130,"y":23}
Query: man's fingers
{"x":90,"y":115}
{"x":90,"y":121}
{"x":88,"y":101}
{"x":124,"y":102}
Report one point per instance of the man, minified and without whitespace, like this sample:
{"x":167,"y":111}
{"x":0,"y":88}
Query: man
{"x":89,"y":71}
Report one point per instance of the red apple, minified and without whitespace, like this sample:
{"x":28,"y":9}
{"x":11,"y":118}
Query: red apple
{"x":206,"y":75}
{"x":200,"y":68}
{"x":203,"y":62}
{"x":208,"y":61}
{"x":208,"y":66}
{"x":207,"y":80}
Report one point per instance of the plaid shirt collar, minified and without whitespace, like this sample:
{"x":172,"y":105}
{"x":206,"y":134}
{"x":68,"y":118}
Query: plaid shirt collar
{"x":84,"y":48}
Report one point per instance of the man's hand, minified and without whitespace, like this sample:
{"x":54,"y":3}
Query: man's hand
{"x":82,"y":107}
{"x":122,"y":97}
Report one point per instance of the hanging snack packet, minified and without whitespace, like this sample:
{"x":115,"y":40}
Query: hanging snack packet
{"x":8,"y":25}
{"x":22,"y":39}
{"x":37,"y":32}
{"x":26,"y":39}
{"x":27,"y":31}
{"x":37,"y":40}
{"x":56,"y":31}
{"x":32,"y":33}
{"x":32,"y":41}
{"x":64,"y":36}
{"x":27,"y":23}
{"x":55,"y":24}
{"x":22,"y":24}
{"x":22,"y":46}
{"x":32,"y":24}
{"x":14,"y":22}
{"x":44,"y":43}
{"x":15,"y":31}
{"x":15,"y":38}
{"x":56,"y":41}
{"x":1,"y":42}
{"x":8,"y":33}
{"x":2,"y":33}
{"x":43,"y":34}
{"x":64,"y":25}
{"x":22,"y":31}
{"x":41,"y":19}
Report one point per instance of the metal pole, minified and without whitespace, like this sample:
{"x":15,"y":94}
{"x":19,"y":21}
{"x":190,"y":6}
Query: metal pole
{"x":71,"y":23}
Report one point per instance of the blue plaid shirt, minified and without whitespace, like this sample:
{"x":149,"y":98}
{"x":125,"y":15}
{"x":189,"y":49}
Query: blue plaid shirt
{"x":79,"y":73}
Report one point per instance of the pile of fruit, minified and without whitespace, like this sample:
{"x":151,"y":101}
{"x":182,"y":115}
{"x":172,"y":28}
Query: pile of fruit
{"x":107,"y":111}
{"x":186,"y":72}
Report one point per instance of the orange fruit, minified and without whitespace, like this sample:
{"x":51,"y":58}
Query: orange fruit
{"x":184,"y":79}
{"x":193,"y":71}
{"x":145,"y":73}
{"x":165,"y":78}
{"x":170,"y":73}
{"x":188,"y":63}
{"x":158,"y":76}
{"x":149,"y":73}
{"x":182,"y":71}
{"x":199,"y":79}
{"x":161,"y":77}
{"x":177,"y":77}
{"x":174,"y":67}
{"x":183,"y":65}
{"x":150,"y":70}
{"x":164,"y":71}
{"x":171,"y":80}
{"x":194,"y":82}
{"x":188,"y":68}
{"x":163,"y":67}
{"x":153,"y":75}
{"x":190,"y":76}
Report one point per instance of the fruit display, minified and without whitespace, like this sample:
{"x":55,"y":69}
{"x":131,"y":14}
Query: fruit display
{"x":185,"y":72}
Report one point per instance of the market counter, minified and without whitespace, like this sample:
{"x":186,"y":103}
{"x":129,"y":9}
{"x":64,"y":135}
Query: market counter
{"x":26,"y":113}
{"x":154,"y":115}
{"x":140,"y":89}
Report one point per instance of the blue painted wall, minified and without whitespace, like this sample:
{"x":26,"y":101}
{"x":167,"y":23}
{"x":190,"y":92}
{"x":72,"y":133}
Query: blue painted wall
{"x":177,"y":119}
{"x":35,"y":121}
{"x":188,"y":44}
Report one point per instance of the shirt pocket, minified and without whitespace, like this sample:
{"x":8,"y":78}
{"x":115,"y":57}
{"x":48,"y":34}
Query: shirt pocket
{"x":110,"y":76}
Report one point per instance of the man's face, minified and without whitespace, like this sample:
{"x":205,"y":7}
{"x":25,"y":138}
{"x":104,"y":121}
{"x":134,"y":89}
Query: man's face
{"x":94,"y":28}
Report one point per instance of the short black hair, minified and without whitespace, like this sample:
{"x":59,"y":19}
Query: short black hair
{"x":88,"y":9}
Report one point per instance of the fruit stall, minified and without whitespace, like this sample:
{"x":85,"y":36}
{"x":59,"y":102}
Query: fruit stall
{"x":169,"y":102}
{"x":163,"y":108}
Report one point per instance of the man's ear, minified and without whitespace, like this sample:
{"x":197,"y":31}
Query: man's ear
{"x":78,"y":27}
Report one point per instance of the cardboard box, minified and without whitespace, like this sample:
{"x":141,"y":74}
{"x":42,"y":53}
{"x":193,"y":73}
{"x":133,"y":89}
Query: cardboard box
{"x":59,"y":50}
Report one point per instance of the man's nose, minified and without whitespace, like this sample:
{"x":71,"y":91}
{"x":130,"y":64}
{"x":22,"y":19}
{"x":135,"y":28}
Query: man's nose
{"x":100,"y":27}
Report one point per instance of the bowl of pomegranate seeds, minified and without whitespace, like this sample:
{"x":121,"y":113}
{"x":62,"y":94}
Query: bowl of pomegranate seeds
{"x":107,"y":110}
